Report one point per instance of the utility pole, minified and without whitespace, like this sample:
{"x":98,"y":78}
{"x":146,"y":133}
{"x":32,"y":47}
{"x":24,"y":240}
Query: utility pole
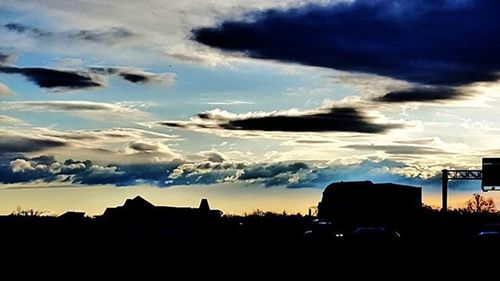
{"x":444,"y":190}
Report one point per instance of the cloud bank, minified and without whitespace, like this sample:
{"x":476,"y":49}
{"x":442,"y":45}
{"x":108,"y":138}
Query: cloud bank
{"x":290,"y":174}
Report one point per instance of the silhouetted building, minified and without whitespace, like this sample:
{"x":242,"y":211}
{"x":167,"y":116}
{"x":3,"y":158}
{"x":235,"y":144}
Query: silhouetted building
{"x":139,"y":218}
{"x":142,"y":209}
{"x":364,"y":200}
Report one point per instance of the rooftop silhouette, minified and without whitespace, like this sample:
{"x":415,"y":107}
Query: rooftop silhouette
{"x":140,"y":209}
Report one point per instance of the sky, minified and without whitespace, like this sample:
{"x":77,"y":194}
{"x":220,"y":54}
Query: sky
{"x":252,"y":104}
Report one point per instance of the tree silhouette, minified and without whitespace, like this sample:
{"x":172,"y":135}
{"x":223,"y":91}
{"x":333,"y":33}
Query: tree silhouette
{"x":480,"y":204}
{"x":28,"y":213}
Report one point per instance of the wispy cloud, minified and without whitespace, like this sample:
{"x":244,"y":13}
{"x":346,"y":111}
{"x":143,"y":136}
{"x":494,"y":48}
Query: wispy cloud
{"x":85,"y":109}
{"x":5,"y":91}
{"x":400,"y":149}
{"x":231,"y":102}
{"x":108,"y":36}
{"x":8,"y":120}
{"x":136,"y":75}
{"x":118,"y":145}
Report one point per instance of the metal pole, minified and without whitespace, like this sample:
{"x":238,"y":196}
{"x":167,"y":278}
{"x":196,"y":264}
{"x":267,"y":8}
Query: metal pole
{"x":444,"y":190}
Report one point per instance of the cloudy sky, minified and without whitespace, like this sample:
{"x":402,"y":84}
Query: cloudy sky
{"x":253,"y":104}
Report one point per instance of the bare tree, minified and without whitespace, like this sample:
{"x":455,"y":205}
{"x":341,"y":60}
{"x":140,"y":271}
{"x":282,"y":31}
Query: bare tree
{"x":480,"y":204}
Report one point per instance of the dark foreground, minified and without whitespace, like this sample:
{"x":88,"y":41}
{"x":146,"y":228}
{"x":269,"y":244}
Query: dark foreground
{"x":431,"y":244}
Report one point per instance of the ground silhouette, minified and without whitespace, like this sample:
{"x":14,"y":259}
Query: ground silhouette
{"x":142,"y":234}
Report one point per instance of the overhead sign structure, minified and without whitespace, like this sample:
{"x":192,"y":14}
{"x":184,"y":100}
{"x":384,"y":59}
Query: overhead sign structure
{"x":491,"y":174}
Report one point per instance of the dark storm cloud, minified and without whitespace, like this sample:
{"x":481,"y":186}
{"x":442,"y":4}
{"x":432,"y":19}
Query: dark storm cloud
{"x":106,"y":36}
{"x":422,"y":94}
{"x":53,"y":78}
{"x":337,"y":119}
{"x":422,"y":41}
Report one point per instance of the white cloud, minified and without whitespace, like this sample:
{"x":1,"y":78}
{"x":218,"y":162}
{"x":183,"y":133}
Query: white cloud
{"x":162,"y":27}
{"x":20,"y":165}
{"x":213,"y":156}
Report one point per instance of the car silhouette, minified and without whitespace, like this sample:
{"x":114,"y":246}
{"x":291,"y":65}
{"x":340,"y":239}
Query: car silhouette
{"x":489,"y":231}
{"x":375,"y":233}
{"x":324,"y":229}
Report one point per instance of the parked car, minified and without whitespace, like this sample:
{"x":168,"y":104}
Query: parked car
{"x":375,"y":233}
{"x":489,"y":231}
{"x":324,"y":229}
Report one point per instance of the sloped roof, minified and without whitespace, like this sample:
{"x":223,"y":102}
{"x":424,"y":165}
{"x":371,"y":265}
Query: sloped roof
{"x":138,"y":202}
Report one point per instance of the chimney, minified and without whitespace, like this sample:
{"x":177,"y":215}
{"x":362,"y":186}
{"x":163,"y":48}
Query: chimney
{"x":204,"y":207}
